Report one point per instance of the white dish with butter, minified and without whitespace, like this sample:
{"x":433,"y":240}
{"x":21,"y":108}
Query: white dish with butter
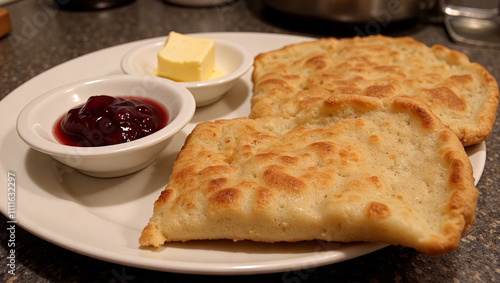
{"x":230,"y":58}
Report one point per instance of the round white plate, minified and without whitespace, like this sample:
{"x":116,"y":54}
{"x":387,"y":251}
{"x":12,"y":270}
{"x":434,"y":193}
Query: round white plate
{"x":103,"y":218}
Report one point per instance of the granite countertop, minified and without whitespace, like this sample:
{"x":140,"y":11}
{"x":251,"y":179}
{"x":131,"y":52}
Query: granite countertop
{"x":44,"y":37}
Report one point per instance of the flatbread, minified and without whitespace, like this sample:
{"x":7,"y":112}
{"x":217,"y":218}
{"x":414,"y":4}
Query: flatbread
{"x":462,"y":94}
{"x":351,"y":168}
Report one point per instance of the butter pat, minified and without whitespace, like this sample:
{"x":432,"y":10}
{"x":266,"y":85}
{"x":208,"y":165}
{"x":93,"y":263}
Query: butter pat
{"x":186,"y":59}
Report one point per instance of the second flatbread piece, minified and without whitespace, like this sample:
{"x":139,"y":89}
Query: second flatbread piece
{"x":462,"y":94}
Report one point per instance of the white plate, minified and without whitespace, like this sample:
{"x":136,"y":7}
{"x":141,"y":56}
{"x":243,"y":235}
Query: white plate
{"x":103,"y":218}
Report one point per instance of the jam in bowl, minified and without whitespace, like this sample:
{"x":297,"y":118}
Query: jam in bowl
{"x":35,"y":124}
{"x":106,"y":120}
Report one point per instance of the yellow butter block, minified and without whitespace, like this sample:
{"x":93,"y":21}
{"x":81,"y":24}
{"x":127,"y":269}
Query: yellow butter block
{"x":186,"y":58}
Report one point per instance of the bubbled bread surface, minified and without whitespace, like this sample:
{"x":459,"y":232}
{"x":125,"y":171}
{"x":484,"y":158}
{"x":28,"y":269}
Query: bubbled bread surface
{"x":352,"y":168}
{"x":462,"y":94}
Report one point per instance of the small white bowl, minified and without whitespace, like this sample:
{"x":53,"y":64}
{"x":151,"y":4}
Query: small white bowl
{"x":36,"y":122}
{"x":231,"y":58}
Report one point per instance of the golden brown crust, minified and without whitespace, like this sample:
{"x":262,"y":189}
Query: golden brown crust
{"x":352,"y":168}
{"x":462,"y":94}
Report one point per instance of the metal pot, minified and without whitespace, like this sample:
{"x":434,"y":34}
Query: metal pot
{"x":353,"y":11}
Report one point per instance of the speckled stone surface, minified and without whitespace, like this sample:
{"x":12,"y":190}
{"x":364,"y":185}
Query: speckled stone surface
{"x":44,"y":37}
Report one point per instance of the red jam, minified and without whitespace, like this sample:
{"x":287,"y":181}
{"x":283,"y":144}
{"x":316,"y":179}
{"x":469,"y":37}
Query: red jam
{"x":106,"y":120}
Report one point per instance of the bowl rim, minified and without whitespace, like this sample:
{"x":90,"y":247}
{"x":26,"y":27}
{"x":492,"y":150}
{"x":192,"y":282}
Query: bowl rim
{"x":26,"y":131}
{"x":240,"y":71}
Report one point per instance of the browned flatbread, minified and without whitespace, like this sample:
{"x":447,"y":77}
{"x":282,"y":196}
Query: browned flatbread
{"x":352,"y":168}
{"x":462,"y":94}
